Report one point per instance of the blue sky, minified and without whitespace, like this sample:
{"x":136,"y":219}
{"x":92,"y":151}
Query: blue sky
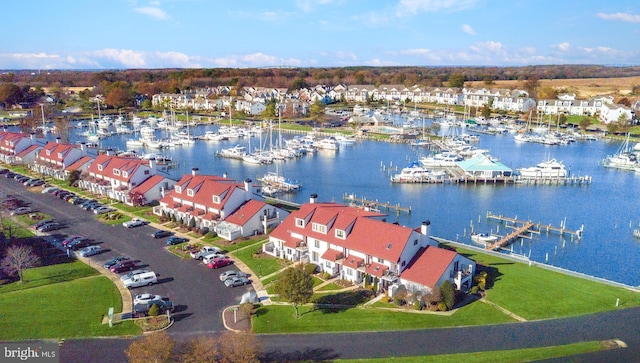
{"x":117,"y":34}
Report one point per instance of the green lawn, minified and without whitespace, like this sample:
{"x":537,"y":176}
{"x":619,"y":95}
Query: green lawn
{"x":62,"y":310}
{"x":281,"y":319}
{"x":518,"y":355}
{"x":261,"y":266}
{"x":52,"y":274}
{"x":330,"y":286}
{"x":536,"y":293}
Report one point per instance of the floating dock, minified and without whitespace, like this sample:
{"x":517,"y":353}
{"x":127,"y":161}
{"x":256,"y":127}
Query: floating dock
{"x":524,"y":229}
{"x":374,"y":205}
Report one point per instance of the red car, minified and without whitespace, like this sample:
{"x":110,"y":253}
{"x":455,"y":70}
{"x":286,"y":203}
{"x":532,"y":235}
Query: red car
{"x":123,"y":266}
{"x":220,"y":262}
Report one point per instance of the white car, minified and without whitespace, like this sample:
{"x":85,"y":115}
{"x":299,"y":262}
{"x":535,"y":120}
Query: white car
{"x":231,"y":273}
{"x":212,"y":256}
{"x":145,"y":298}
{"x":103,"y":209}
{"x":90,"y":251}
{"x":133,"y":273}
{"x":20,"y":210}
{"x":206,"y":250}
{"x":135,"y":222}
{"x":49,"y":190}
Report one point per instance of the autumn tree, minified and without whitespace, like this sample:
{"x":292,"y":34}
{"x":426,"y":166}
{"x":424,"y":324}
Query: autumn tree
{"x":9,"y":94}
{"x":485,"y":111}
{"x":156,"y":348}
{"x":203,"y":349}
{"x":316,"y":110}
{"x":119,"y":95}
{"x":624,"y":101}
{"x":295,"y":285}
{"x":584,"y":123}
{"x":548,"y":93}
{"x":456,"y":80}
{"x":17,"y":259}
{"x":531,"y":85}
{"x":239,"y":348}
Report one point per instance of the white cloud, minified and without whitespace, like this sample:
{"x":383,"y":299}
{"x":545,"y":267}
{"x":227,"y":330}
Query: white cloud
{"x":154,"y":12}
{"x":126,"y":57}
{"x":563,"y":47}
{"x":490,"y":46}
{"x":310,"y":5}
{"x":468,"y":29}
{"x":626,"y":17}
{"x":413,"y":7}
{"x":256,"y":60}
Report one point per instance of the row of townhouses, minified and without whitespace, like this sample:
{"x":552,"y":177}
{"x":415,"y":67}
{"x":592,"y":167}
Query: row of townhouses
{"x":354,"y":244}
{"x":253,"y":99}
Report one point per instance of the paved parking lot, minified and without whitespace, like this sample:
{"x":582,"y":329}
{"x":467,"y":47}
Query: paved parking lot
{"x":196,"y":291}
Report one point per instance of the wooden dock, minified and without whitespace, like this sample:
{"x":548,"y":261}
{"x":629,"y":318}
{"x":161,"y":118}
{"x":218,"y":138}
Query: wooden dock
{"x":537,"y":227}
{"x":374,"y":205}
{"x":508,"y":239}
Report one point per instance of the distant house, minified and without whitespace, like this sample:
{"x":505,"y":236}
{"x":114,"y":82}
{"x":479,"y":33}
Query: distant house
{"x":612,"y":113}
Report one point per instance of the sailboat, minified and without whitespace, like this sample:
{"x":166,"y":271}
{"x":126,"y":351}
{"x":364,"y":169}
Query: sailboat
{"x":624,"y":158}
{"x":276,"y":182}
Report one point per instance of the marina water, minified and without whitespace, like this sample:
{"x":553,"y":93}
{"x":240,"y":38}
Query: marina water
{"x":607,"y":208}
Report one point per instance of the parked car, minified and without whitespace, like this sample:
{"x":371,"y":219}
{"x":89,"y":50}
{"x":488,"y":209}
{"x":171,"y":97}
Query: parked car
{"x":114,"y":261}
{"x":77,"y":200}
{"x":174,"y":240}
{"x":142,"y":309}
{"x":42,"y":223}
{"x":78,"y":244}
{"x":49,"y":190}
{"x":21,"y":210}
{"x":212,"y":256}
{"x":231,"y":273}
{"x":123,"y":266}
{"x":143,"y":279}
{"x":9,"y":175}
{"x":90,"y":206}
{"x":219,"y":262}
{"x":133,"y":273}
{"x":198,"y":255}
{"x":102,"y":210}
{"x":50,"y":227}
{"x":161,"y":233}
{"x":70,"y":239}
{"x":135,"y":222}
{"x":90,"y":251}
{"x":145,"y":298}
{"x":236,"y":281}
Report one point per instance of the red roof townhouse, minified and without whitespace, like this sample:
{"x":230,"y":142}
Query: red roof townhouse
{"x":18,"y":148}
{"x":55,"y":157}
{"x":231,"y":209}
{"x":118,"y":178}
{"x":353,"y":244}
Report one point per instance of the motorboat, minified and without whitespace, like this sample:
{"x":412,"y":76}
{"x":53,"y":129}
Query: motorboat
{"x":624,"y":158}
{"x":443,"y":159}
{"x":414,"y":173}
{"x":483,"y":238}
{"x":544,"y":170}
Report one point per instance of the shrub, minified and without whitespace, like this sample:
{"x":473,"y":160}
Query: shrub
{"x":385,"y":299}
{"x":204,"y":230}
{"x":448,"y":293}
{"x":442,"y":306}
{"x":417,"y":305}
{"x":309,"y":268}
{"x":474,"y":290}
{"x":154,"y":310}
{"x":211,"y":234}
{"x":246,"y":309}
{"x":325,"y":275}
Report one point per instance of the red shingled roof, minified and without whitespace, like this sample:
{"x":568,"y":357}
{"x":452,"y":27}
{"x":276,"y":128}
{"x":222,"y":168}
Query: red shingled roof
{"x":377,"y":269}
{"x":353,"y":262}
{"x":149,"y":183}
{"x":331,"y":255}
{"x":79,"y":163}
{"x":428,"y":266}
{"x":245,"y":212}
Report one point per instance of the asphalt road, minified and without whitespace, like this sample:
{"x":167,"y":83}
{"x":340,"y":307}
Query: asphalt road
{"x":198,"y":295}
{"x":201,"y":298}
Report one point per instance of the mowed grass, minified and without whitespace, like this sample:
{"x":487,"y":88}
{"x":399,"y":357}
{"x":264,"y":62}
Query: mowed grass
{"x":518,"y":355}
{"x":62,"y":310}
{"x":261,"y":266}
{"x":52,"y":274}
{"x":537,"y":293}
{"x":281,"y":319}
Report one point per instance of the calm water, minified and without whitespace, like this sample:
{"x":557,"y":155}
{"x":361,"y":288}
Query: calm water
{"x":608,"y":208}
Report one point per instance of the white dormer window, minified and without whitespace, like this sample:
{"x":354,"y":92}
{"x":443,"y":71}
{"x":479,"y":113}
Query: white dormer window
{"x":100,"y":167}
{"x":190,"y":192}
{"x":48,"y":152}
{"x":317,"y":227}
{"x":300,"y":222}
{"x":116,"y":171}
{"x":59,"y":155}
{"x":340,"y":233}
{"x":178,"y":189}
{"x":216,"y":199}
